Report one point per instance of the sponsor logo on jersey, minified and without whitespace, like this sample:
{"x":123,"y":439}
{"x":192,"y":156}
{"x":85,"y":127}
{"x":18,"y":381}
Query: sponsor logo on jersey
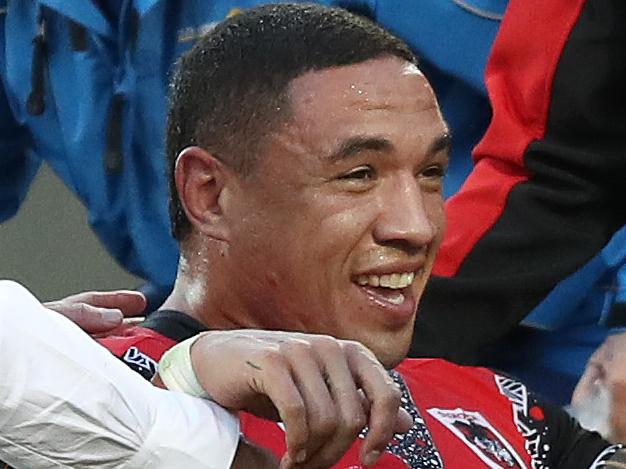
{"x":480,"y":436}
{"x":140,"y":362}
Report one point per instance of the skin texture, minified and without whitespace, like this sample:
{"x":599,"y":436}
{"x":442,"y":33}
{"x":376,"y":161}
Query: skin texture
{"x":349,"y":186}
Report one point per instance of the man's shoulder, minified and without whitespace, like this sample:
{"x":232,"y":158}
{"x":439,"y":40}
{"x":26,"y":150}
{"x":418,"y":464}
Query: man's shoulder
{"x":140,"y":348}
{"x":139,"y":338}
{"x":440,"y":369}
{"x":437,"y":380}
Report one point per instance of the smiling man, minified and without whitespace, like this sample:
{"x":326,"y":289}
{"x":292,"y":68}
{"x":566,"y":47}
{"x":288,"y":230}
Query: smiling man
{"x":307,"y":153}
{"x":342,"y":213}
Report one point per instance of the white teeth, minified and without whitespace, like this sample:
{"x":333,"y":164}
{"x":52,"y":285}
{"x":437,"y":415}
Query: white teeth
{"x":394,"y":281}
{"x":405,"y":279}
{"x":385,"y":281}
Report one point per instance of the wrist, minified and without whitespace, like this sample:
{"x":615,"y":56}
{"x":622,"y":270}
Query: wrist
{"x":177,"y":372}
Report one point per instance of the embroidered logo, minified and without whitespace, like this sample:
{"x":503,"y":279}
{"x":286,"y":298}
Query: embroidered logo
{"x":140,"y":362}
{"x":480,"y":436}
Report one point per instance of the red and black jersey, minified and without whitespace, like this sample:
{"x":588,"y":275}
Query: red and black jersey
{"x":463,"y":417}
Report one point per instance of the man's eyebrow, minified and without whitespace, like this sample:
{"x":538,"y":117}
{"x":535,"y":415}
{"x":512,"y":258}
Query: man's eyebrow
{"x":442,"y":143}
{"x":353,"y":146}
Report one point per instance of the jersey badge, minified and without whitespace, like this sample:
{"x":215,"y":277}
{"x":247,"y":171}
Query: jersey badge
{"x":480,"y":436}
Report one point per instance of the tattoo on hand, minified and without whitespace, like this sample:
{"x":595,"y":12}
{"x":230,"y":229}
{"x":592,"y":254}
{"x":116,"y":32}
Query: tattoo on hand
{"x":253,"y":365}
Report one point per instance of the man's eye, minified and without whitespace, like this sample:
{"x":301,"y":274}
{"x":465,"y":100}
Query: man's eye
{"x":363,"y":173}
{"x":434,"y":171}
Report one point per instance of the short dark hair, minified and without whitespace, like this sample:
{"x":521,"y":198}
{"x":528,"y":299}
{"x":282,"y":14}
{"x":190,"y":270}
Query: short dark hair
{"x":230,"y":90}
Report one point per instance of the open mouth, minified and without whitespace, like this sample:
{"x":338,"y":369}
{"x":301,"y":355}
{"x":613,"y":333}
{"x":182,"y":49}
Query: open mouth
{"x":390,"y":288}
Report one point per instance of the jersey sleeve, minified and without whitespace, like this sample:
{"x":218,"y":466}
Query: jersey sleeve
{"x":544,"y":195}
{"x":554,"y":439}
{"x":571,"y":445}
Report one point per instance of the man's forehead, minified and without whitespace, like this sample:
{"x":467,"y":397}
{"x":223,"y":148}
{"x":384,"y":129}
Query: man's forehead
{"x":380,"y":83}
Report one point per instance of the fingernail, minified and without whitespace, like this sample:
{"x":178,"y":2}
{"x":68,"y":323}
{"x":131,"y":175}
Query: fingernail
{"x":301,"y":456}
{"x":111,"y":315}
{"x":371,"y":458}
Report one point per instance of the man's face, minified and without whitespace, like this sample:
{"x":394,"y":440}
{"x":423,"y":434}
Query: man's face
{"x":337,"y":229}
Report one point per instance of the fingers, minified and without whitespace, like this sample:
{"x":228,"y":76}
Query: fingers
{"x":126,"y":324}
{"x":404,"y":421}
{"x":311,"y":383}
{"x":274,"y":379}
{"x":129,"y":302}
{"x":99,"y":312}
{"x":383,"y":396}
{"x":348,"y":417}
{"x":313,"y":388}
{"x":89,"y":318}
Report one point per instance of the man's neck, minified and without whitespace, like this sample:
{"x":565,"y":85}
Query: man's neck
{"x":202,"y":298}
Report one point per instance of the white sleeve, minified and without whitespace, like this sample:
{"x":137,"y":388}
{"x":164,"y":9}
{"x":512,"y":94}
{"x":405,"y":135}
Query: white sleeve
{"x":65,"y":401}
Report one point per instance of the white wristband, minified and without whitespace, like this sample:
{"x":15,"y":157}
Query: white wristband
{"x":176,"y":370}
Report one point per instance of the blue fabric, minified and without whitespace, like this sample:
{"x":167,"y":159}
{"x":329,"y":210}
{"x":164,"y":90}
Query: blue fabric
{"x":571,"y":323}
{"x":128,"y":206}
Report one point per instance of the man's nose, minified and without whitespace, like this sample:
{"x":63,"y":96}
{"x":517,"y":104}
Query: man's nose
{"x":404,"y":219}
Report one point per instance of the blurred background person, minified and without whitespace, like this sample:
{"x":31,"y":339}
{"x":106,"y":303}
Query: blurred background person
{"x":535,"y":233}
{"x":83,"y":88}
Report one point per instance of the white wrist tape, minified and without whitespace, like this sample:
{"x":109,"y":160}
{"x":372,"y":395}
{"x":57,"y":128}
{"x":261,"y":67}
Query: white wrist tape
{"x":177,"y":372}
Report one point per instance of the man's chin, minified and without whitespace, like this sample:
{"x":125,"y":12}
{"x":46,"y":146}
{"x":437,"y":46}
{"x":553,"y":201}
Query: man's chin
{"x":391,"y":352}
{"x":390,"y":362}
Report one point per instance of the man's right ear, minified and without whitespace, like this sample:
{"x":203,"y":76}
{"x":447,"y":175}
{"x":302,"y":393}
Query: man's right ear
{"x":200,"y":178}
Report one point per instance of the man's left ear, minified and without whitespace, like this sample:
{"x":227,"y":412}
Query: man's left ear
{"x":200,"y":180}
